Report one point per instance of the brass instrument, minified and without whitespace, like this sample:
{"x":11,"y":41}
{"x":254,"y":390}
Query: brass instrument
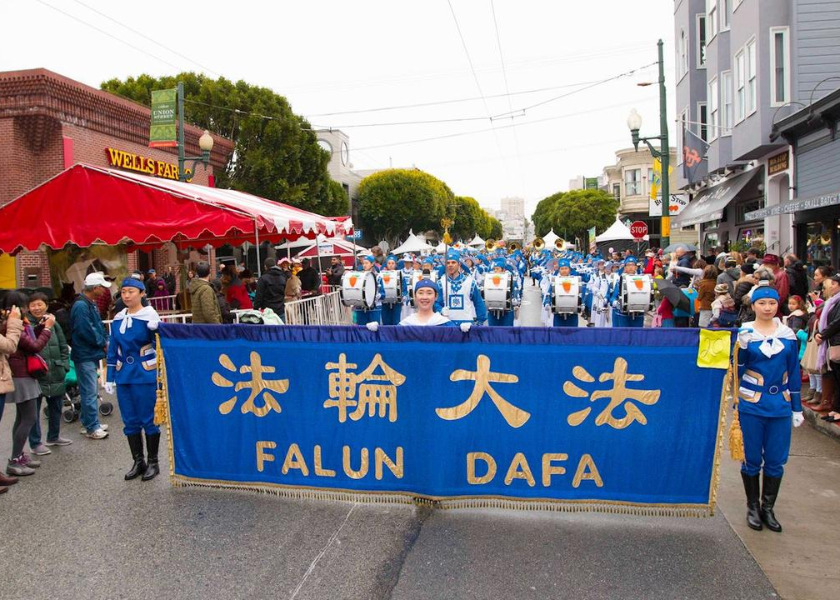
{"x":560,"y":244}
{"x":490,"y":245}
{"x":538,"y":244}
{"x":513,"y":248}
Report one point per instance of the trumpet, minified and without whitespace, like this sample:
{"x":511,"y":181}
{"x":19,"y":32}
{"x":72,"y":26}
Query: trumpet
{"x":538,"y":244}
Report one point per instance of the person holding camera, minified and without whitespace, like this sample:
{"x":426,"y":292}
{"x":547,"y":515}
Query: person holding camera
{"x":11,"y":328}
{"x":56,"y":355}
{"x":25,"y":372}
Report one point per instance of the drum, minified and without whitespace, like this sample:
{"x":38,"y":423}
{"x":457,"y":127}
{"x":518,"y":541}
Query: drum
{"x":636,"y":294}
{"x":566,"y":292}
{"x":392,"y":282}
{"x":358,"y":289}
{"x":498,"y":291}
{"x":417,"y":276}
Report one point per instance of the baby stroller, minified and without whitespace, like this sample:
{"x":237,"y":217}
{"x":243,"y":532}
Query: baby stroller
{"x":73,"y":398}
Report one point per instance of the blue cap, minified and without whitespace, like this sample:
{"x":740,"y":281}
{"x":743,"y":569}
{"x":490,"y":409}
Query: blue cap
{"x":499,"y":262}
{"x":764,"y":290}
{"x":391,"y":257}
{"x":453,"y":255}
{"x":564,"y":262}
{"x":133,"y":282}
{"x":630,"y":259}
{"x":428,"y":261}
{"x":427,"y":283}
{"x":368,"y":257}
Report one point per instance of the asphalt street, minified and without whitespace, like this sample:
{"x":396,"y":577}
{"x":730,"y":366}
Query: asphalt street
{"x":76,"y":529}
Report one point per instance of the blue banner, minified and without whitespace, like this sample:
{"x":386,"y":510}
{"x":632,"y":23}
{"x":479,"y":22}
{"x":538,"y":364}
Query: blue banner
{"x":611,"y":419}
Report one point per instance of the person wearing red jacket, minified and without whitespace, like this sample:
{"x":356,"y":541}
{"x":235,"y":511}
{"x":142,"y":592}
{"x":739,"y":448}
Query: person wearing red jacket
{"x":237,"y":296}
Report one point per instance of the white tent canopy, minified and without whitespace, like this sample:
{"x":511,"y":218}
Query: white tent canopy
{"x":549,"y":239}
{"x":441,"y":248}
{"x":616,"y":231}
{"x":476,"y":242}
{"x":414,"y":243}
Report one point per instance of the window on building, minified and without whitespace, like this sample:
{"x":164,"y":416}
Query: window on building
{"x":616,"y":190}
{"x":740,"y":87}
{"x":682,"y":59}
{"x":714,"y":113}
{"x":632,"y":182}
{"x":779,"y":66}
{"x":703,"y":120}
{"x":712,"y":22}
{"x":701,"y":41}
{"x":752,"y":90}
{"x":726,"y":121}
{"x":681,"y":124}
{"x":725,"y":14}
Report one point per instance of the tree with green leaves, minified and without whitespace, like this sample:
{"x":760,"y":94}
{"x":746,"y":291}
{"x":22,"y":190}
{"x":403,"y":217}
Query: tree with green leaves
{"x":393,"y":201}
{"x":571,"y":214}
{"x":276,"y":153}
{"x":496,"y":231}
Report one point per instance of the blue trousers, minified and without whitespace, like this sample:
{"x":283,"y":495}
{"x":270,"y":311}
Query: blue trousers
{"x":363,"y":317}
{"x":86,"y":374}
{"x":137,"y":407}
{"x":500,"y":318}
{"x":566,"y":320}
{"x":391,"y":314}
{"x":622,"y":320}
{"x":54,"y":405}
{"x":766,"y":440}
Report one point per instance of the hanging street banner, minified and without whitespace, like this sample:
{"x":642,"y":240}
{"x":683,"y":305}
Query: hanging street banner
{"x":677,"y":205}
{"x":162,"y":133}
{"x":557,"y":419}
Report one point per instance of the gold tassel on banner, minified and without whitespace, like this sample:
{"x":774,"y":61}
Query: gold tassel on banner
{"x":736,"y":436}
{"x":161,"y":412}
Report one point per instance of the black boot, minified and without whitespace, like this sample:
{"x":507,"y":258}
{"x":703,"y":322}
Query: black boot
{"x":152,"y":443}
{"x":752,"y":488}
{"x":768,"y":500}
{"x":135,"y":442}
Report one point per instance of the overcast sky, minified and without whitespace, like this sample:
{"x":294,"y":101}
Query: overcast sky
{"x":507,"y":110}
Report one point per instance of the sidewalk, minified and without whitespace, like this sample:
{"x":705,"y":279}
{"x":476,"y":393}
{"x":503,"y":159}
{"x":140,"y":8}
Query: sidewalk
{"x":801,"y":562}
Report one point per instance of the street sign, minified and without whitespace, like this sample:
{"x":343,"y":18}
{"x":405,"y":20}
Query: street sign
{"x":639,"y":230}
{"x":357,"y":234}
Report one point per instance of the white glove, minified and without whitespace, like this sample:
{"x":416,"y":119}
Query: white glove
{"x":465,"y":327}
{"x":110,"y":387}
{"x":373,"y":326}
{"x":797,"y":419}
{"x":744,"y":337}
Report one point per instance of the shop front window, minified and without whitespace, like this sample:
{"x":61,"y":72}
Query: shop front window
{"x":819,"y":244}
{"x":710,"y":242}
{"x":751,"y":237}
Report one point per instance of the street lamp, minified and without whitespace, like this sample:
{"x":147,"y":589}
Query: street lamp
{"x":205,"y":142}
{"x":634,"y":123}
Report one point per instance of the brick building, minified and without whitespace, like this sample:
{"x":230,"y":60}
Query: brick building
{"x":48,"y":123}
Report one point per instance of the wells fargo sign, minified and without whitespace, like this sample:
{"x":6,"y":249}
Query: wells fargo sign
{"x":141,"y":164}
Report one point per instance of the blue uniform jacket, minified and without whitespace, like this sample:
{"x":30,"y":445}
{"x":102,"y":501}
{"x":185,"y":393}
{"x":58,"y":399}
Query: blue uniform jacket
{"x":89,"y":337}
{"x":132,"y":358}
{"x":768,"y":386}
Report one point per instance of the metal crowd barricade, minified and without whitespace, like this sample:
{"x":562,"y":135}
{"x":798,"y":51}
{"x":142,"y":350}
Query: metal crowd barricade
{"x":325,"y":309}
{"x":164,"y":304}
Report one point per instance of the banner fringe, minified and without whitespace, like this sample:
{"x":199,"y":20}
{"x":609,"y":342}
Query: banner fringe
{"x":736,"y":436}
{"x":568,"y":506}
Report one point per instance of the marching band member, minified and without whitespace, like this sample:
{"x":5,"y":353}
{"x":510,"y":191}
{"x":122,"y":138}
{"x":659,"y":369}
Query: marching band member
{"x":505,"y":318}
{"x":132,"y":372}
{"x":600,"y":289}
{"x":407,"y":271}
{"x":426,"y":293}
{"x":364,"y":315}
{"x":460,"y":296}
{"x":392,"y":312}
{"x":564,"y":269}
{"x":768,"y":403}
{"x":620,"y":319}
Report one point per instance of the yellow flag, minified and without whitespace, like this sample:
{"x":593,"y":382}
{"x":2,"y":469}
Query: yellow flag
{"x":714,"y":349}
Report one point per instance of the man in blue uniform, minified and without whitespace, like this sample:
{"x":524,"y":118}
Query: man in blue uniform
{"x":619,"y":318}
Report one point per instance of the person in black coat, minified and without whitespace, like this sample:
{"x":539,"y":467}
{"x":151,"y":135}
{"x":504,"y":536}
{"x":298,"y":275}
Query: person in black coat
{"x":336,"y":272}
{"x":310,"y":280}
{"x":797,"y":276}
{"x":271,"y":288}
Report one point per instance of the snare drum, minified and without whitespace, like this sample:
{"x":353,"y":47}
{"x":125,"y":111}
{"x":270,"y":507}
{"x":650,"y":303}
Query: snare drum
{"x":392,"y":282}
{"x":417,"y":276}
{"x":358,"y":289}
{"x":636,"y":294}
{"x":566,"y":291}
{"x":498,"y":290}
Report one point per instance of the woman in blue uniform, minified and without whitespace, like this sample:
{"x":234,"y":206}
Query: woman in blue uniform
{"x":392,"y":312}
{"x":132,"y":368}
{"x":768,"y":403}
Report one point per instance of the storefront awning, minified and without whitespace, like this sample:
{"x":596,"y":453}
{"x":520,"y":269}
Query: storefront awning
{"x":708,"y":205}
{"x":87,"y":205}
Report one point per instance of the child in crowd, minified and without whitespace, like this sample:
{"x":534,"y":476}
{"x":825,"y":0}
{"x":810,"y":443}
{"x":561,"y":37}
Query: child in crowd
{"x":723,"y":308}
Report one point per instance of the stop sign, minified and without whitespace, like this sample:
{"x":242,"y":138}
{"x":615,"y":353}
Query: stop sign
{"x":639,"y":230}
